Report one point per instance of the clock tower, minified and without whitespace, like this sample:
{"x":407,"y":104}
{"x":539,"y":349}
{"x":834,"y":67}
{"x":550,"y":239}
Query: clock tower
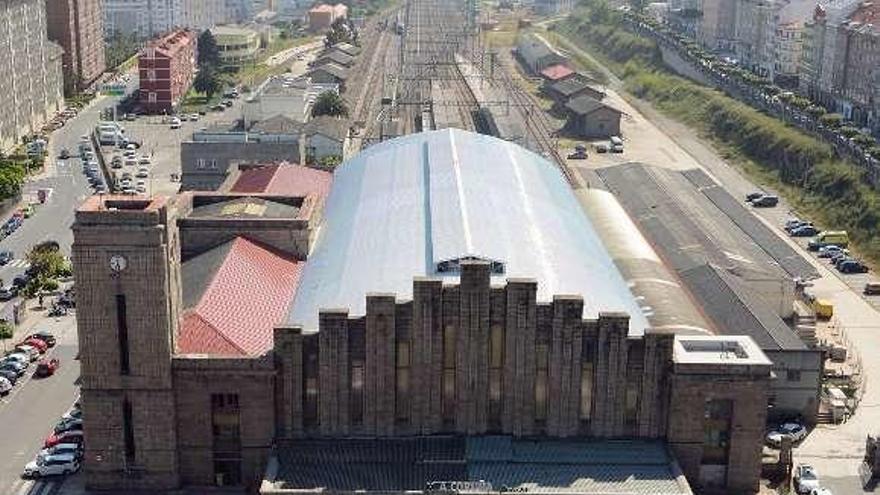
{"x":125,"y":250}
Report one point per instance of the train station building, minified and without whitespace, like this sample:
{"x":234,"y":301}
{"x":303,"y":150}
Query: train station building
{"x":437,"y":315}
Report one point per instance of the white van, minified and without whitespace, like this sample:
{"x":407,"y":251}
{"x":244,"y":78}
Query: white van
{"x":616,"y":144}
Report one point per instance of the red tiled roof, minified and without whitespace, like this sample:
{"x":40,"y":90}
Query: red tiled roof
{"x":556,"y":72}
{"x":284,"y":179}
{"x":248,"y":295}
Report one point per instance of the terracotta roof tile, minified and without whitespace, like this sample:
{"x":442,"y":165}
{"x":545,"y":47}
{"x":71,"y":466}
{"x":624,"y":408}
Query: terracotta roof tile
{"x":248,"y":295}
{"x":284,"y":179}
{"x":557,"y":72}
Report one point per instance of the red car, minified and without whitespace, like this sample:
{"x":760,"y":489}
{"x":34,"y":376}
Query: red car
{"x":72,"y":436}
{"x":47,"y":367}
{"x":39,"y":344}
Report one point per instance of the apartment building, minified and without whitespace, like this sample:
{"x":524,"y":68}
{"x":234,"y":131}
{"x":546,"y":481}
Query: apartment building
{"x":167,"y":66}
{"x":31,"y":66}
{"x":717,"y":29}
{"x":840,"y":59}
{"x":78,"y":26}
{"x":322,"y":16}
{"x":769,"y":36}
{"x":151,"y":17}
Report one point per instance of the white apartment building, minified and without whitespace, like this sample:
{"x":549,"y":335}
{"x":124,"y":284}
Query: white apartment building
{"x":769,"y":35}
{"x":151,"y":17}
{"x":32,"y":86}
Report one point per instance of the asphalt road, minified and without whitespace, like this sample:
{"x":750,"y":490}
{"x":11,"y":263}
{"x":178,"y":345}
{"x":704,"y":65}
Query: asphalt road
{"x":29,"y":412}
{"x":33,"y":407}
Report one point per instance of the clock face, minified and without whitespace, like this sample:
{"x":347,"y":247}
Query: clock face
{"x":118,"y":263}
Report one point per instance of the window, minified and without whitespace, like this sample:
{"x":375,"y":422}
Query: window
{"x":496,"y":373}
{"x":152,"y":97}
{"x":357,"y":392}
{"x":201,"y":163}
{"x":541,"y":383}
{"x":151,"y":74}
{"x":122,"y":332}
{"x":226,"y":439}
{"x":586,"y":412}
{"x":310,"y":382}
{"x":402,"y":381}
{"x":128,"y":431}
{"x":449,"y":373}
{"x":793,"y":375}
{"x":716,"y":430}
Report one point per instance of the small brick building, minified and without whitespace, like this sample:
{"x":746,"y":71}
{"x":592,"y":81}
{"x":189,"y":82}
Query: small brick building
{"x":166,"y":67}
{"x":447,"y":307}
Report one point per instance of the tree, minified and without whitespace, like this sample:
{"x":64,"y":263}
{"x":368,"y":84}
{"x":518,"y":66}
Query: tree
{"x":209,"y":54}
{"x":207,"y":81}
{"x":831,"y":119}
{"x":46,"y":261}
{"x":329,"y":103}
{"x":340,"y":32}
{"x":6,"y":332}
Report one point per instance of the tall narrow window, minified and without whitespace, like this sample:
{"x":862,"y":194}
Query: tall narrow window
{"x":122,"y":326}
{"x":586,"y":391}
{"x":402,"y":381}
{"x":449,"y":373}
{"x":310,"y":379}
{"x":128,"y":431}
{"x":541,"y":383}
{"x":496,"y":371}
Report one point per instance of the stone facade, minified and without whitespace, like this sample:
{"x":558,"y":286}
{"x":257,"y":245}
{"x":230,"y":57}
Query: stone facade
{"x":469,"y":358}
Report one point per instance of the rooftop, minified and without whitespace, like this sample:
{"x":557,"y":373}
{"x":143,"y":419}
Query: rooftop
{"x":278,"y":124}
{"x":572,"y":85}
{"x":232,"y":30}
{"x":243,"y":207}
{"x":706,"y":349}
{"x":414,"y":205}
{"x":336,"y":56}
{"x":234,"y":295}
{"x":476,"y":465}
{"x":172,"y":42}
{"x":585,"y":105}
{"x":332,"y":68}
{"x":327,"y":126}
{"x":286,"y":179}
{"x":557,"y":72}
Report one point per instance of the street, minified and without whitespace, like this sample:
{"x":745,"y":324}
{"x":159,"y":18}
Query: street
{"x":29,"y":412}
{"x":33,"y":407}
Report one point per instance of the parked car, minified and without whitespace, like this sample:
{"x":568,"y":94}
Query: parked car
{"x":73,"y":413}
{"x":5,"y":385}
{"x":852,"y":266}
{"x":20,"y":281}
{"x":47,"y":367}
{"x":7,"y":292}
{"x":601,"y":147}
{"x":830,"y":250}
{"x":6,"y":257}
{"x":32,"y":352}
{"x":872,"y":289}
{"x":144,"y":160}
{"x":72,"y":424}
{"x":52,"y":465}
{"x":804,"y":231}
{"x":72,"y":436}
{"x":45,"y":336}
{"x":143,"y":172}
{"x":18,"y":357}
{"x":73,"y":449}
{"x":795,"y":223}
{"x":37,"y":343}
{"x":753,"y":196}
{"x":175,"y":123}
{"x":65,"y":154}
{"x":10,"y":375}
{"x":14,"y":366}
{"x":806,"y":478}
{"x":766,"y":201}
{"x":57,"y":310}
{"x":796,"y":431}
{"x":218,"y":107}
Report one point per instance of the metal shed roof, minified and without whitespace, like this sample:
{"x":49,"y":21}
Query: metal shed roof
{"x":402,"y":207}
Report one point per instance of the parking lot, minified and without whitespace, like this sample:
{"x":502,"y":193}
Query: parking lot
{"x":160,"y":144}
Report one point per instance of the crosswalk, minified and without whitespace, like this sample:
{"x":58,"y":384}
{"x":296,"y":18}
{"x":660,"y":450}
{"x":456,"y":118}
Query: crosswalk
{"x":19,"y":263}
{"x":36,"y":487}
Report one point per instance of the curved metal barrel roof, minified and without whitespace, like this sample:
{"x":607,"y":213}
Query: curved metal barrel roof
{"x":401,"y":208}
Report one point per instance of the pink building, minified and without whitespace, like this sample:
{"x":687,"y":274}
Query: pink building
{"x":322,"y":16}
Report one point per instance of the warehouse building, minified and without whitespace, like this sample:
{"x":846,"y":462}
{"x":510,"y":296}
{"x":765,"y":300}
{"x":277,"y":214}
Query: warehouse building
{"x":436,"y":321}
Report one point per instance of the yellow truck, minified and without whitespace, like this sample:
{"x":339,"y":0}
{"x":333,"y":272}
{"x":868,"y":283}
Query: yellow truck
{"x":839,"y":238}
{"x":824,"y":309}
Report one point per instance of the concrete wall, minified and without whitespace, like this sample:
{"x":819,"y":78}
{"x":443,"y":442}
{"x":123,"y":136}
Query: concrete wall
{"x":320,"y":146}
{"x":674,"y":61}
{"x":795,"y":390}
{"x":197,"y":235}
{"x":217,"y":158}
